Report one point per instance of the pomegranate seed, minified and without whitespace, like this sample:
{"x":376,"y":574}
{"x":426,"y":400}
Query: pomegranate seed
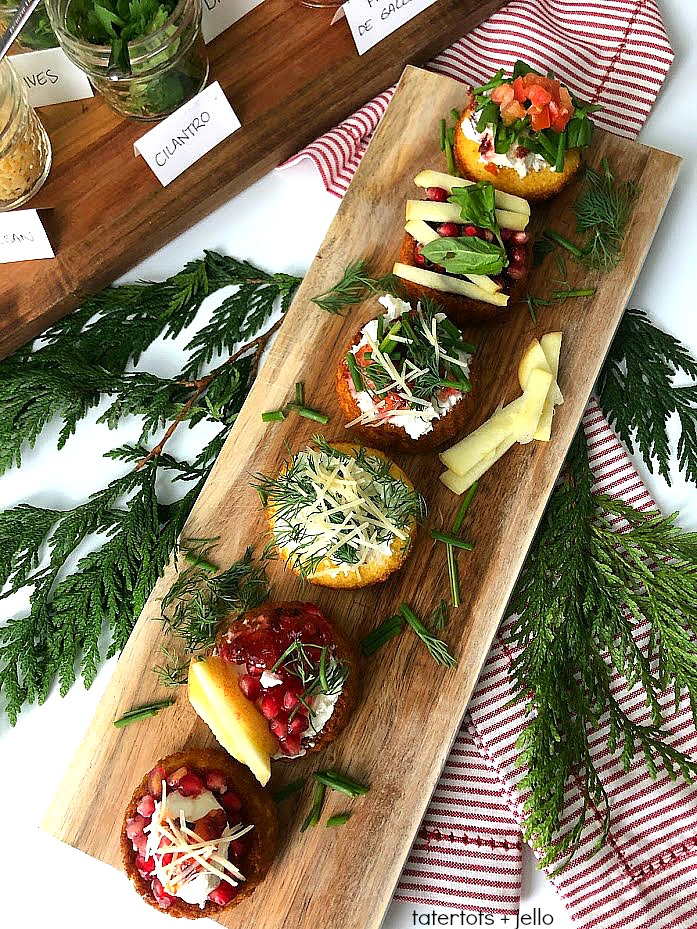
{"x":211,"y":826}
{"x":160,"y":894}
{"x":419,"y":258}
{"x":515,"y":272}
{"x":439,"y":268}
{"x":291,"y":745}
{"x":279,"y":727}
{"x":448,"y":230}
{"x":290,"y":700}
{"x":439,"y":194}
{"x":517,"y":255}
{"x":297,"y":724}
{"x":145,"y":865}
{"x":223,"y":893}
{"x":215,"y":780}
{"x":250,"y":686}
{"x":191,"y":785}
{"x":256,"y":670}
{"x":134,"y":827}
{"x":146,"y":807}
{"x":176,"y":776}
{"x":155,"y":779}
{"x":520,"y":238}
{"x":230,"y":802}
{"x":310,"y":630}
{"x":488,"y":235}
{"x":507,"y":234}
{"x":270,"y":704}
{"x":470,"y":230}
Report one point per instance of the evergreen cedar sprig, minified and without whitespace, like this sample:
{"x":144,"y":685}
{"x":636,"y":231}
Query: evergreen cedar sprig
{"x":583,"y":592}
{"x":64,"y":374}
{"x":355,"y":285}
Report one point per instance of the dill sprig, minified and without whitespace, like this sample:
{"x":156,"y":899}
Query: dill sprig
{"x":437,"y":649}
{"x":602,"y":211}
{"x":318,"y":669}
{"x":583,"y":592}
{"x":355,"y":286}
{"x":638,"y":396}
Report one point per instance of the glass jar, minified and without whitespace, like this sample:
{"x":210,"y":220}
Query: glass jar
{"x":36,"y":33}
{"x":25,"y":152}
{"x":168,"y":66}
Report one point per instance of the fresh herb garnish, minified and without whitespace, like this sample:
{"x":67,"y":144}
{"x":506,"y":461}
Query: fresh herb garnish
{"x":288,"y":790}
{"x":602,"y":211}
{"x":478,"y":207}
{"x":336,"y":781}
{"x":437,"y":649}
{"x":313,"y":816}
{"x":466,"y":255}
{"x":339,"y":819}
{"x":387,"y":630}
{"x":355,"y":286}
{"x":318,"y":670}
{"x":142,"y":712}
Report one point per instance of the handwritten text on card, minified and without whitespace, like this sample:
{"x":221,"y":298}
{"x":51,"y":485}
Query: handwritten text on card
{"x":371,"y":21}
{"x":218,"y":15}
{"x":22,"y":236}
{"x":50,"y":77}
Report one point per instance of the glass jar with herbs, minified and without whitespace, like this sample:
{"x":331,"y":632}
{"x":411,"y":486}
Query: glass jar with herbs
{"x":36,"y":33}
{"x":146,"y":58}
{"x":25,"y":152}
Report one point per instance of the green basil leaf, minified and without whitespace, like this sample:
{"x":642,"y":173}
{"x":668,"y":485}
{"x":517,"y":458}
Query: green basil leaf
{"x":477,"y":205}
{"x":466,"y":255}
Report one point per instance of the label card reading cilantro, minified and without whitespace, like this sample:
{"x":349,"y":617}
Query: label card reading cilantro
{"x":371,"y":21}
{"x":219,"y":14}
{"x":22,"y":235}
{"x":50,"y":77}
{"x":188,"y":134}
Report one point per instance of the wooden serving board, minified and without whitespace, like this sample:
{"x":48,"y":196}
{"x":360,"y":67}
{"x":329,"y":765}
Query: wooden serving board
{"x":411,"y":708}
{"x":289,"y":75}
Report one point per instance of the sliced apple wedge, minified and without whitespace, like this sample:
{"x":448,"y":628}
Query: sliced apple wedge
{"x":504,"y":201}
{"x":536,"y":357}
{"x":233,"y":719}
{"x":460,"y":483}
{"x":447,"y":285}
{"x":422,"y":233}
{"x":433,"y":212}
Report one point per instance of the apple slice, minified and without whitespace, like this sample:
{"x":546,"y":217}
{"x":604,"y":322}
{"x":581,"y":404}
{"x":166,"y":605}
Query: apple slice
{"x":535,"y":357}
{"x":434,"y":212}
{"x":460,"y":483}
{"x":423,"y":234}
{"x":447,"y":285}
{"x":233,"y":719}
{"x":504,"y":201}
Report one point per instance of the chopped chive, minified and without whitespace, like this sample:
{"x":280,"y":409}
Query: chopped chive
{"x":141,"y":712}
{"x":463,"y":385}
{"x":449,"y":157}
{"x":441,"y":134}
{"x":263,"y":496}
{"x":323,"y":670}
{"x":406,"y":325}
{"x":387,"y":340}
{"x":464,"y":506}
{"x":563,"y":294}
{"x":451,"y":540}
{"x":273,"y":416}
{"x":308,"y":413}
{"x":454,"y":114}
{"x":381,"y":328}
{"x":494,"y":82}
{"x":381,"y":634}
{"x":199,"y":562}
{"x":561,"y":152}
{"x":340,"y":782}
{"x":338,"y":820}
{"x":454,"y":575}
{"x":564,"y":242}
{"x":288,"y":790}
{"x":316,"y":810}
{"x":353,"y":371}
{"x":300,"y":393}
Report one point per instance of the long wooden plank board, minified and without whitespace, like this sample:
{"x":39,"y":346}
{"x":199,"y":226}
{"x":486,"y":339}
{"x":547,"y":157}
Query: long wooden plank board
{"x":289,"y":76}
{"x":411,"y":708}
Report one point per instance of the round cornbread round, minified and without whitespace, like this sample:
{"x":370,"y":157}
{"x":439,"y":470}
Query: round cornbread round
{"x":535,"y":186}
{"x":351,"y":577}
{"x":461,"y":310}
{"x":392,"y":437}
{"x":345,"y":651}
{"x":258,"y":806}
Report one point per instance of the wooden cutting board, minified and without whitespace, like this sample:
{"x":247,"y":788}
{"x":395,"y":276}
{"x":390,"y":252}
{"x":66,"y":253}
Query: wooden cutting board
{"x":288,"y":74}
{"x":411,"y":708}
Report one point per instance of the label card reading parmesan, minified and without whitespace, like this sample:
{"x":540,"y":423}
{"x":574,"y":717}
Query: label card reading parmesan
{"x":188,"y":134}
{"x":218,"y":15}
{"x":49,"y":76}
{"x":371,"y":21}
{"x":22,"y":236}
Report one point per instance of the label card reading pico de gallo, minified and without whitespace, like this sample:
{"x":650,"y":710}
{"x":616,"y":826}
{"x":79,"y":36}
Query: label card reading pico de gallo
{"x":22,"y":236}
{"x":49,"y":76}
{"x":188,"y":134}
{"x":371,"y":21}
{"x":218,"y":15}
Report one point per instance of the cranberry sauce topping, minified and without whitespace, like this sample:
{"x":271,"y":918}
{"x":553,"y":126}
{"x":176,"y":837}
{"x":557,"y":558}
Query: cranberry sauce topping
{"x":189,"y":782}
{"x":514,"y":242}
{"x":259,"y":646}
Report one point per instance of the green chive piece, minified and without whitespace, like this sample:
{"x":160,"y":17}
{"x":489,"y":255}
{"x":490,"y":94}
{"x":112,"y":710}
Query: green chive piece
{"x":381,"y":634}
{"x":454,"y":575}
{"x":273,"y":416}
{"x":338,"y":820}
{"x":451,"y":540}
{"x":561,"y":152}
{"x":141,"y":712}
{"x":300,"y":393}
{"x":449,"y":157}
{"x":316,"y":810}
{"x":441,"y":134}
{"x":199,"y":562}
{"x":288,"y":790}
{"x":353,"y":371}
{"x":263,"y":496}
{"x":381,"y":328}
{"x":463,"y":385}
{"x":340,"y":782}
{"x":563,"y":294}
{"x":464,"y":506}
{"x":454,"y":114}
{"x":494,"y":82}
{"x":308,"y":413}
{"x":564,"y":242}
{"x":388,"y":338}
{"x":323,"y":670}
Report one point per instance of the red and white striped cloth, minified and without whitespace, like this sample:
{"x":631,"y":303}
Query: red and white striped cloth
{"x":468,"y":852}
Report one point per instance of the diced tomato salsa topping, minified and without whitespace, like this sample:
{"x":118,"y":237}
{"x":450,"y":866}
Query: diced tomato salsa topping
{"x":548,"y":102}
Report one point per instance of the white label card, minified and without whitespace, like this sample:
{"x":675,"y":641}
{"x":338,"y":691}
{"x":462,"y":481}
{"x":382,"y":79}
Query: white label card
{"x":371,"y":21}
{"x":188,"y":134}
{"x":50,"y":77}
{"x":219,"y":14}
{"x":22,"y":236}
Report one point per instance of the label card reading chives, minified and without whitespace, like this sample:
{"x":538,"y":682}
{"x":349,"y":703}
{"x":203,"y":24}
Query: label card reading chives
{"x":50,"y":77}
{"x":371,"y":21}
{"x":22,"y":235}
{"x":218,"y":15}
{"x":188,"y":134}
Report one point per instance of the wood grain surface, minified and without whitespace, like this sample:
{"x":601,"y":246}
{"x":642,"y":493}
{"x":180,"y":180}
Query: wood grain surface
{"x":289,"y":76}
{"x":411,"y":708}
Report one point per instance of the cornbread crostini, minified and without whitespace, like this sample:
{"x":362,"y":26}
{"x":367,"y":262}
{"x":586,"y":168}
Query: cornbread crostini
{"x":525,"y":133}
{"x":406,"y":381}
{"x":465,"y":247}
{"x":341,"y":515}
{"x":199,"y":834}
